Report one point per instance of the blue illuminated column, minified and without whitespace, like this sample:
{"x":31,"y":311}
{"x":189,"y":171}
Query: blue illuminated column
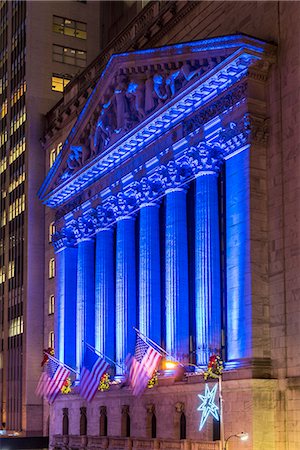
{"x":65,"y":305}
{"x":105,"y":293}
{"x":239,"y":301}
{"x":85,"y":307}
{"x":207,"y":267}
{"x":149,"y":273}
{"x":177,"y":289}
{"x":125,"y":289}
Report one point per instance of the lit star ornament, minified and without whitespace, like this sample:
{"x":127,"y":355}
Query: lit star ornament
{"x":208,"y":405}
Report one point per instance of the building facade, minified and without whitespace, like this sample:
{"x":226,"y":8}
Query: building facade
{"x":175,"y":209}
{"x":42,"y":46}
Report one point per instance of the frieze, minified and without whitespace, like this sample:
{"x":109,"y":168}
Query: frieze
{"x":219,"y":106}
{"x":202,"y":156}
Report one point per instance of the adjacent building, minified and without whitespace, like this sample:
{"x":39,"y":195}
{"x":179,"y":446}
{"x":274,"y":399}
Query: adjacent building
{"x":42,"y":46}
{"x":173,"y":201}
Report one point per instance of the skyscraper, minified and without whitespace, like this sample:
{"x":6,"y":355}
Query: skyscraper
{"x":42,"y":46}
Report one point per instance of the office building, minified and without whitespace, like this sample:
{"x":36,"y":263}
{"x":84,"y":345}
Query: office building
{"x":42,"y":46}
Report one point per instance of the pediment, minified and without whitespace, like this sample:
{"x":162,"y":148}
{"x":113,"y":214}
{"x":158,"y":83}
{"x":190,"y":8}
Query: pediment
{"x":140,"y":95}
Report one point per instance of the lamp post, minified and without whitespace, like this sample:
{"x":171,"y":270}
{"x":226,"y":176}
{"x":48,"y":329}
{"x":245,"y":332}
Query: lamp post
{"x":242,"y":436}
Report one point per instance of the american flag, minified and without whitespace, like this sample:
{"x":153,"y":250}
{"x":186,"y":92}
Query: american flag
{"x":93,"y":368}
{"x":142,"y":365}
{"x":52,"y":380}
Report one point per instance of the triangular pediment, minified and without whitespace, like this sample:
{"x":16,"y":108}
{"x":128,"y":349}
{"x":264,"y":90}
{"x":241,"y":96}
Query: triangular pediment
{"x":138,"y":96}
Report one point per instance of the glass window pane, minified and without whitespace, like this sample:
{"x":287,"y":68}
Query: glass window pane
{"x":69,"y":60}
{"x":69,"y":31}
{"x":81,"y":34}
{"x":81,"y":26}
{"x":58,"y":58}
{"x":57,"y":49}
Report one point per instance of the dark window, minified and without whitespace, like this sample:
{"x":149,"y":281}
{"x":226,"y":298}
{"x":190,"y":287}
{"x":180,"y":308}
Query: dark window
{"x":68,"y":55}
{"x":153,"y":426}
{"x":182,"y":426}
{"x":103,"y":421}
{"x":83,"y":422}
{"x":65,"y":424}
{"x":125,"y":425}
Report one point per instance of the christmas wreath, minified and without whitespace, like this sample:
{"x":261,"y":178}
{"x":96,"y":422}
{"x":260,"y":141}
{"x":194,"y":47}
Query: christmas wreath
{"x":104,"y":384}
{"x":153,"y":381}
{"x":66,"y":386}
{"x":215,"y":367}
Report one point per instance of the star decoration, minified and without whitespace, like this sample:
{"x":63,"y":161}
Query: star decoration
{"x":208,"y":405}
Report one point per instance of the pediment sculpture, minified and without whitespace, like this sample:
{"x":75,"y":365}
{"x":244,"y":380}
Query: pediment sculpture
{"x":127,"y":101}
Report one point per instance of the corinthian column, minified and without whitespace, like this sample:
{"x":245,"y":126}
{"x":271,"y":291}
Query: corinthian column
{"x":149,"y":272}
{"x":207,"y":267}
{"x":105,"y":293}
{"x":65,"y":304}
{"x":177,"y":289}
{"x":85,"y":305}
{"x":125,"y":289}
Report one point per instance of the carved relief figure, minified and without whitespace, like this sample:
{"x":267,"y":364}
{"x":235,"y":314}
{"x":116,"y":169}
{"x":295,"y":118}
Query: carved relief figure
{"x":136,"y":89}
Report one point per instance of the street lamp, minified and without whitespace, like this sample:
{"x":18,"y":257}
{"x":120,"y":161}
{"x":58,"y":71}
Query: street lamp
{"x":242,"y":436}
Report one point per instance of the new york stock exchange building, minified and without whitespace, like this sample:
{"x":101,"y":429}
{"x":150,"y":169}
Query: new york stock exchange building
{"x":161,"y":216}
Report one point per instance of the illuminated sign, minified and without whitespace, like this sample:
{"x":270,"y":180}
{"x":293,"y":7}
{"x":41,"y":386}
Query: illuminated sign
{"x":208,"y":405}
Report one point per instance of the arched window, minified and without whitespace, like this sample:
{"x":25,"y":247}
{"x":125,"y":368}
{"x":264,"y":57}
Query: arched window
{"x":52,"y":268}
{"x":125,"y":425}
{"x":65,"y":422}
{"x":51,"y":231}
{"x":51,"y":304}
{"x":83,"y":421}
{"x":103,"y":421}
{"x":51,"y":339}
{"x":153,"y":426}
{"x":182,"y":426}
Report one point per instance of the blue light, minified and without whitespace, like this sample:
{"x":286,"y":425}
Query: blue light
{"x":239,"y":314}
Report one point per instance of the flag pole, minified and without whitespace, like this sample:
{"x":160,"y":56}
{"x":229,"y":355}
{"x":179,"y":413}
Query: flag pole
{"x":61,"y":363}
{"x":158,"y":346}
{"x":102,"y":354}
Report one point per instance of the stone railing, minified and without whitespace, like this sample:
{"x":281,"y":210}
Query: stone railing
{"x":148,"y":23}
{"x":118,"y":443}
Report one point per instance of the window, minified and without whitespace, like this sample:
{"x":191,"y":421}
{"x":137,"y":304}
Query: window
{"x":2,"y":274}
{"x":51,"y":339}
{"x":16,"y":208}
{"x":65,"y":424}
{"x":54,"y":153}
{"x":103,"y":421}
{"x":69,"y":27}
{"x":11,"y":269}
{"x":182,"y":426}
{"x":68,"y":55}
{"x":15,"y":326}
{"x":59,"y":82}
{"x":83,"y":421}
{"x":51,"y":231}
{"x":52,"y":268}
{"x":51,"y":304}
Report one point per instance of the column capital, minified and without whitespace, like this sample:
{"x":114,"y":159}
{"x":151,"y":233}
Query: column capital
{"x":83,"y":227}
{"x":124,"y":204}
{"x":62,"y":239}
{"x":175,"y":174}
{"x":205,"y":158}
